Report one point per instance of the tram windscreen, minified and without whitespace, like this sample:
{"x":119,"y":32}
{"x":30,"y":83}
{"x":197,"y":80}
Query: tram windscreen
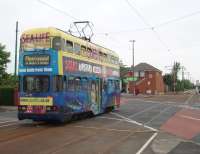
{"x":36,"y":83}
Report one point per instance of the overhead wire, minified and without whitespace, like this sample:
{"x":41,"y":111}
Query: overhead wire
{"x":147,"y":24}
{"x":58,"y":10}
{"x":177,"y":19}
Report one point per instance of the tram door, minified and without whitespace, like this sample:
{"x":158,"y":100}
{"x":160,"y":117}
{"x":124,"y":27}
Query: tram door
{"x":95,"y":96}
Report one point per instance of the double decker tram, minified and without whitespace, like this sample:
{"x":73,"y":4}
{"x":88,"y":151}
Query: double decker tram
{"x":62,"y":75}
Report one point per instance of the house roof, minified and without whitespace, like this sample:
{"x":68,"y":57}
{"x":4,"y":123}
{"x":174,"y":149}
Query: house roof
{"x":145,"y":67}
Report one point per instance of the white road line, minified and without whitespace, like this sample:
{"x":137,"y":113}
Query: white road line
{"x":8,"y":125}
{"x":111,"y":118}
{"x":147,"y":143}
{"x":127,"y":119}
{"x":134,"y":122}
{"x":151,"y":128}
{"x":108,"y":129}
{"x":188,"y":117}
{"x":188,"y":100}
{"x":8,"y":121}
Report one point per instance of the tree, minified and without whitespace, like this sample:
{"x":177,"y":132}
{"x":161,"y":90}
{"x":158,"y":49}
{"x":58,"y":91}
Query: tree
{"x":175,"y":69}
{"x":168,"y":80}
{"x":4,"y":59}
{"x":123,"y":68}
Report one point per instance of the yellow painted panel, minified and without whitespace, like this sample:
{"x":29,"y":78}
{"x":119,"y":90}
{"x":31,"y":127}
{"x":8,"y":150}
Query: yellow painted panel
{"x":35,"y":101}
{"x":60,"y":63}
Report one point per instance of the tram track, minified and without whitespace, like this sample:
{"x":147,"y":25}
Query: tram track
{"x":12,"y":130}
{"x":8,"y":123}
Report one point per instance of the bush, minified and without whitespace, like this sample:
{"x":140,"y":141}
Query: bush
{"x":7,"y":96}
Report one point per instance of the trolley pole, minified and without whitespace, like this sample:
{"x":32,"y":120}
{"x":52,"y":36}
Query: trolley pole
{"x":16,"y":38}
{"x":133,"y":41}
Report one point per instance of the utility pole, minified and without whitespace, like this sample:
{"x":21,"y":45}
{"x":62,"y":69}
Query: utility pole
{"x":183,"y":77}
{"x":133,"y":41}
{"x":174,"y":76}
{"x":16,"y":39}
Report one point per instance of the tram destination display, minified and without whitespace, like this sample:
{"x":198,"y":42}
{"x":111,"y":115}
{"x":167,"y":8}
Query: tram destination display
{"x":36,"y":60}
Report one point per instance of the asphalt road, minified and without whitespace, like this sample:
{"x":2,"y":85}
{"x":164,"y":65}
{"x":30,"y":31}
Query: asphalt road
{"x":148,"y":125}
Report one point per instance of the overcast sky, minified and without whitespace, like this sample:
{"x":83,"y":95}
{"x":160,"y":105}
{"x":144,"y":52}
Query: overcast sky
{"x":115,"y":23}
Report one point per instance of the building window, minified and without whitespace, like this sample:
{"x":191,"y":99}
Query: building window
{"x":150,"y":76}
{"x":142,"y":74}
{"x":136,"y":74}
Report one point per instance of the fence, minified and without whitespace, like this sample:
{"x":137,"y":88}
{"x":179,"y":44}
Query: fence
{"x":8,"y":96}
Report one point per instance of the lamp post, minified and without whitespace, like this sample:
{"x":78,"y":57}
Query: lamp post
{"x":133,"y":41}
{"x":15,"y":72}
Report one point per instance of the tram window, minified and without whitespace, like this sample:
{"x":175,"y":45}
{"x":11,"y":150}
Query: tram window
{"x":93,"y":86}
{"x":70,"y":84}
{"x":104,"y":85}
{"x":36,"y":84}
{"x":89,"y":52}
{"x":56,"y":43}
{"x":77,"y":84}
{"x":83,"y":50}
{"x":105,"y":57}
{"x":57,"y":83}
{"x":84,"y":84}
{"x":64,"y":83}
{"x":108,"y":58}
{"x":77,"y":48}
{"x":95,"y":54}
{"x":101,"y":56}
{"x":69,"y":46}
{"x":116,"y":84}
{"x":63,"y":44}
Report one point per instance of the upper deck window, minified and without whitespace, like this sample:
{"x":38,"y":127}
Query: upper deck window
{"x":56,"y":44}
{"x":89,"y":52}
{"x":77,"y":48}
{"x":69,"y":46}
{"x":95,"y":54}
{"x":83,"y":50}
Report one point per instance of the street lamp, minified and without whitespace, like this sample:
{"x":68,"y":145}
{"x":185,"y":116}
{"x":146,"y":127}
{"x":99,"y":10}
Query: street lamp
{"x":133,"y":41}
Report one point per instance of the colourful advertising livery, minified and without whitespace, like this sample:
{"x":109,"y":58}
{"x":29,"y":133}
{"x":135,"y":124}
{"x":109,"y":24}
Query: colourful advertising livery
{"x":62,"y":75}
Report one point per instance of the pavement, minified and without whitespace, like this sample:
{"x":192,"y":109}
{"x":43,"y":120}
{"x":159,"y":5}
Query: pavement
{"x":8,"y":108}
{"x":142,"y":125}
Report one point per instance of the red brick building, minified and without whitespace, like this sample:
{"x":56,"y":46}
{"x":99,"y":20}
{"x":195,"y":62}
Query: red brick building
{"x":149,"y":80}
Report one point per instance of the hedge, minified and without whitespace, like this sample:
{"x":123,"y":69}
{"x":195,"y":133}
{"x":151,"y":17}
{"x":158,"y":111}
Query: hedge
{"x":7,"y":96}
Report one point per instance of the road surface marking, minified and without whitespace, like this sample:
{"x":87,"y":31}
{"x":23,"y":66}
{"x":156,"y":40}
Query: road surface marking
{"x":147,"y":143}
{"x":8,"y":121}
{"x":151,"y":128}
{"x":108,"y":129}
{"x":188,"y":117}
{"x":135,"y":122}
{"x":188,"y":100}
{"x":8,"y":125}
{"x":103,"y":117}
